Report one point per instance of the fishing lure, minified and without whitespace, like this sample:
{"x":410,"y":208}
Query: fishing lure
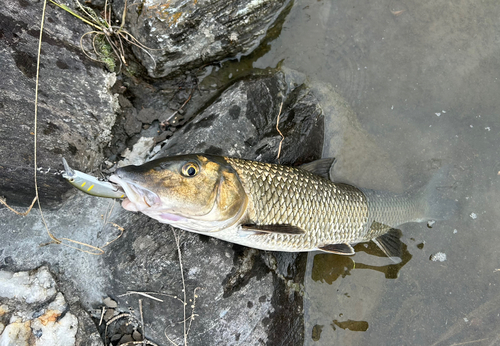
{"x":91,"y":185}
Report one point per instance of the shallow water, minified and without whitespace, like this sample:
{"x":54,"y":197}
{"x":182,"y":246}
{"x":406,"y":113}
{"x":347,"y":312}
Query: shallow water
{"x":422,"y":78}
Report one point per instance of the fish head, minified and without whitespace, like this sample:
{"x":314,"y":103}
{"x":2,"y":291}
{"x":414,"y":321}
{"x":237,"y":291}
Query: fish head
{"x":199,"y":193}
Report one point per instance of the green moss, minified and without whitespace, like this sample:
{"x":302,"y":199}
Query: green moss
{"x":105,"y":52}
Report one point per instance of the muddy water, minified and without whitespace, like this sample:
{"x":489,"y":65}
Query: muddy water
{"x":422,"y":79}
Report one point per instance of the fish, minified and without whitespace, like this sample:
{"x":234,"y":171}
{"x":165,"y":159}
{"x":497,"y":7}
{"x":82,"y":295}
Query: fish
{"x":273,"y":207}
{"x":91,"y":185}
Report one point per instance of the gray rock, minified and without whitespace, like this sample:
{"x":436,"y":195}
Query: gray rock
{"x":242,"y":122}
{"x":188,"y":34}
{"x":76,"y":112}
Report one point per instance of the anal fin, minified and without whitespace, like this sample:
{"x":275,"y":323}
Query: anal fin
{"x":339,"y":249}
{"x":390,"y":243}
{"x":279,"y":229}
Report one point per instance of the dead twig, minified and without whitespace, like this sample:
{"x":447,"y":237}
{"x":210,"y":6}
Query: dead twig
{"x":142,"y":322}
{"x":183,"y":282}
{"x":282,"y":137}
{"x":144,"y":342}
{"x":102,"y":315}
{"x":117,"y":317}
{"x":18,"y":212}
{"x":145,"y":295}
{"x":468,"y":342}
{"x":113,"y":35}
{"x":191,"y":318}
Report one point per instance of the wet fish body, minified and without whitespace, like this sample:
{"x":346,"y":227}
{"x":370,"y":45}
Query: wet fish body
{"x":270,"y":207}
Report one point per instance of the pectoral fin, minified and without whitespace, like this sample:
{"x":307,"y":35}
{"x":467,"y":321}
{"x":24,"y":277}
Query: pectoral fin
{"x":320,"y":167}
{"x":339,"y":249}
{"x":390,"y":243}
{"x":265,"y":229}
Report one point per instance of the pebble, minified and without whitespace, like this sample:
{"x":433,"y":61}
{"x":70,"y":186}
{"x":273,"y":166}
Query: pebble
{"x":438,"y":257}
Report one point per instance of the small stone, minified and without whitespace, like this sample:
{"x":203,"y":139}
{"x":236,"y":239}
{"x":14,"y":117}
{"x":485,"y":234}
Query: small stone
{"x":438,"y":257}
{"x":136,"y":335}
{"x":147,"y":115}
{"x":109,"y":314}
{"x":126,"y":338}
{"x":110,"y":303}
{"x":116,"y":337}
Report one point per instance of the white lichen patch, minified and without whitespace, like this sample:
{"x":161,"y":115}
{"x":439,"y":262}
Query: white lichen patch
{"x":473,"y":216}
{"x":16,"y":333}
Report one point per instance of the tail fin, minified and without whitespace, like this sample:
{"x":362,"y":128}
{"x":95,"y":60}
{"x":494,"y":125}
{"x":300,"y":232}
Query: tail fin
{"x":436,"y":198}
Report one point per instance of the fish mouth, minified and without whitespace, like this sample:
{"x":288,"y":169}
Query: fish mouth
{"x":138,"y":197}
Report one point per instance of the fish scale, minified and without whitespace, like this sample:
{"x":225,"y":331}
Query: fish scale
{"x":328,"y":212}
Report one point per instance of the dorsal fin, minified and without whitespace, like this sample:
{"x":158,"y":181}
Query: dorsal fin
{"x":339,"y":249}
{"x":283,"y":229}
{"x":320,"y":167}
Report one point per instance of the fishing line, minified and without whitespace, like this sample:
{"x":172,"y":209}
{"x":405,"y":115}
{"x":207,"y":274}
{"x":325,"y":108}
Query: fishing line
{"x":98,"y":251}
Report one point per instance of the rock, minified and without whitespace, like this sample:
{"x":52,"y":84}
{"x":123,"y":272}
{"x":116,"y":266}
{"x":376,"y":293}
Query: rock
{"x":147,"y":115}
{"x":76,"y":112}
{"x":242,"y":122}
{"x":185,"y":35}
{"x":35,"y":313}
{"x":132,"y":125}
{"x":245,"y":296}
{"x":110,"y":303}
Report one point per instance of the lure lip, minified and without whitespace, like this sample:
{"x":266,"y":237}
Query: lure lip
{"x":69,"y":171}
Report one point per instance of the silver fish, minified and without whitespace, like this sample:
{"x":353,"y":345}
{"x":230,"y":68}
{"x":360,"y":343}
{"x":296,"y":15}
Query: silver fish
{"x":273,"y":207}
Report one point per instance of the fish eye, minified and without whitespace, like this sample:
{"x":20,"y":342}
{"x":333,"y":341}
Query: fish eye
{"x":190,"y":169}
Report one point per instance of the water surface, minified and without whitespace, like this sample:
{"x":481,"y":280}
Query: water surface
{"x":422,"y":78}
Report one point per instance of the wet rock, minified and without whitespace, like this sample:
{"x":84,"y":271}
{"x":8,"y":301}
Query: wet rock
{"x":75,"y":109}
{"x":35,"y":313}
{"x":190,"y":34}
{"x":242,"y":122}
